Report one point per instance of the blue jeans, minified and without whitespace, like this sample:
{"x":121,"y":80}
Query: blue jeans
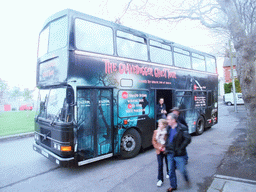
{"x":160,"y":160}
{"x":179,"y":162}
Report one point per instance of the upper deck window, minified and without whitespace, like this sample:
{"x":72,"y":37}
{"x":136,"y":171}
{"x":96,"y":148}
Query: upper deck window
{"x":181,"y":58}
{"x":198,"y":62}
{"x":210,"y":64}
{"x":160,"y":53}
{"x":43,"y":42}
{"x":131,"y":46}
{"x":53,"y":37}
{"x":93,"y":37}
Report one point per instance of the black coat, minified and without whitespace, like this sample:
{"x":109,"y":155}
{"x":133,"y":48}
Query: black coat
{"x":182,"y":121}
{"x":180,"y":140}
{"x":158,"y":111}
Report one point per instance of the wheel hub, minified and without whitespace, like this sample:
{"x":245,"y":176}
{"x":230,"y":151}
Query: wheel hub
{"x":128,"y":143}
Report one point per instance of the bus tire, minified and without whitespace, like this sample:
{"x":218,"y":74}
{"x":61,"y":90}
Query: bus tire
{"x":130,"y":144}
{"x":229,"y":103}
{"x":200,"y":126}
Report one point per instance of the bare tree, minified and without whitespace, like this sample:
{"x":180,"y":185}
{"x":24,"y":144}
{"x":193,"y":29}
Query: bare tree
{"x":3,"y":90}
{"x":233,"y":18}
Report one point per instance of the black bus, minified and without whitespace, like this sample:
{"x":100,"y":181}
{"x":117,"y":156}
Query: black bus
{"x":99,"y":83}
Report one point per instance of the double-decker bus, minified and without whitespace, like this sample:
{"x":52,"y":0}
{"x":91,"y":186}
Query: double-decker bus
{"x":99,"y":83}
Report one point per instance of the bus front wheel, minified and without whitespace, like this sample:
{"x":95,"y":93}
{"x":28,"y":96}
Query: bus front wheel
{"x":130,"y":144}
{"x":200,"y":125}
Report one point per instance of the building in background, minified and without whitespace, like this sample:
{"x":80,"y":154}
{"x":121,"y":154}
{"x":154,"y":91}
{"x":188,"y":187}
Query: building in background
{"x":227,"y":69}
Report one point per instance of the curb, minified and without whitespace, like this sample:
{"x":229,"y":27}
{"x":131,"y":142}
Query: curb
{"x":235,"y":179}
{"x":227,"y":183}
{"x":16,"y":136}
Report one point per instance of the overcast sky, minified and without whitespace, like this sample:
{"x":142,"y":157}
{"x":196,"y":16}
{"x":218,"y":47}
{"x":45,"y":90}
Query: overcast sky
{"x":21,"y":22}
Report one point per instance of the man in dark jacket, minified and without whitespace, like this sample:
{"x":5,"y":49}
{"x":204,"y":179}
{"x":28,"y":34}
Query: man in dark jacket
{"x":181,"y":120}
{"x":161,"y":109}
{"x":177,"y":139}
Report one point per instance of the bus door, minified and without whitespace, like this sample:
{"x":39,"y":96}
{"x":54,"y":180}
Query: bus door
{"x":167,"y":95}
{"x":94,"y":119}
{"x":209,"y":109}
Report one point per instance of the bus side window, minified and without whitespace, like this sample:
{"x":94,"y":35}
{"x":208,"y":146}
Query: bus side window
{"x":183,"y":99}
{"x":210,"y":64}
{"x":181,"y":58}
{"x":131,"y":46}
{"x":198,"y":62}
{"x":93,"y":37}
{"x":160,"y":53}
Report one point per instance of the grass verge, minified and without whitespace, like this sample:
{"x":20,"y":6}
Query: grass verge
{"x":15,"y":122}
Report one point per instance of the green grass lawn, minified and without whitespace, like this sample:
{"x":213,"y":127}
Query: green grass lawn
{"x":14,"y":122}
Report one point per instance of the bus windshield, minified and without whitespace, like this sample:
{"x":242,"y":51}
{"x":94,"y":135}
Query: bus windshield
{"x":53,"y":37}
{"x":52,"y":105}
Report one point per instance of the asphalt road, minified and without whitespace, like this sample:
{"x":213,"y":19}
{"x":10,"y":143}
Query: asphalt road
{"x":22,"y":169}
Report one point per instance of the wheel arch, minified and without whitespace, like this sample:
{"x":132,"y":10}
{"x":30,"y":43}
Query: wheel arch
{"x":130,"y":129}
{"x":204,"y":125}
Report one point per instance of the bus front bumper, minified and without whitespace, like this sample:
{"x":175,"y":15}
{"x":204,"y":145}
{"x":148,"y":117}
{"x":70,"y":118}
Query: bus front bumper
{"x":53,"y":157}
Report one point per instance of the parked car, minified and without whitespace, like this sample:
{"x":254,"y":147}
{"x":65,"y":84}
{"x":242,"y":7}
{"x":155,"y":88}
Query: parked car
{"x":228,"y":99}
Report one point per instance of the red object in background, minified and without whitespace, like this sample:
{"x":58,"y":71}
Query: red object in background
{"x":25,"y":107}
{"x":7,"y":107}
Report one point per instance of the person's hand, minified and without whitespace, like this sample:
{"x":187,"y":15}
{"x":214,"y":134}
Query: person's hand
{"x":162,"y":149}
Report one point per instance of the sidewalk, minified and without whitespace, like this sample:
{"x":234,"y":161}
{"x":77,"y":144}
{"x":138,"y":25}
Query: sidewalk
{"x":231,"y":184}
{"x":236,"y":172}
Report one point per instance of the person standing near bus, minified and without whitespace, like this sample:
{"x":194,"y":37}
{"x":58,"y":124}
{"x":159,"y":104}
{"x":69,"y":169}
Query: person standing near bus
{"x":177,"y":139}
{"x":158,"y":141}
{"x":181,"y":120}
{"x":161,"y":109}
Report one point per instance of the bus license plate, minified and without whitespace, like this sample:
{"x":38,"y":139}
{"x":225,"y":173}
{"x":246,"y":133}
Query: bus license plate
{"x":45,"y":154}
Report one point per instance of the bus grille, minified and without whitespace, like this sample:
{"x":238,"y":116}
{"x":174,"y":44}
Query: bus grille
{"x":44,"y":139}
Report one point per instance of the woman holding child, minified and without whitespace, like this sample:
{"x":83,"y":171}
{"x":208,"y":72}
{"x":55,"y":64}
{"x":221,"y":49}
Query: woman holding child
{"x":158,"y":142}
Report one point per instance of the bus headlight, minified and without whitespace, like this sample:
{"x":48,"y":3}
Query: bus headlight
{"x":37,"y":137}
{"x":56,"y":146}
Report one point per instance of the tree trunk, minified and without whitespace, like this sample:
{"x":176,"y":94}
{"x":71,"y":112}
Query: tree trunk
{"x":245,"y":45}
{"x":246,"y":67}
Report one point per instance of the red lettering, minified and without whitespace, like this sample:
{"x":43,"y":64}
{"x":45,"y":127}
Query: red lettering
{"x":156,"y":72}
{"x":121,"y":68}
{"x":146,"y":71}
{"x":171,"y":75}
{"x":165,"y":73}
{"x":109,"y":67}
{"x":106,"y":64}
{"x":114,"y":67}
{"x":134,"y":69}
{"x":150,"y":72}
{"x":138,"y":69}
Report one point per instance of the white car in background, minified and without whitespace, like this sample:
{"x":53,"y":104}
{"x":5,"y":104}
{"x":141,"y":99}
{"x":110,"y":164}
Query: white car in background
{"x":228,"y":99}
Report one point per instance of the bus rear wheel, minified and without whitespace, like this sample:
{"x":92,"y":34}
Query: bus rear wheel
{"x":200,"y":126}
{"x":130,"y":144}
